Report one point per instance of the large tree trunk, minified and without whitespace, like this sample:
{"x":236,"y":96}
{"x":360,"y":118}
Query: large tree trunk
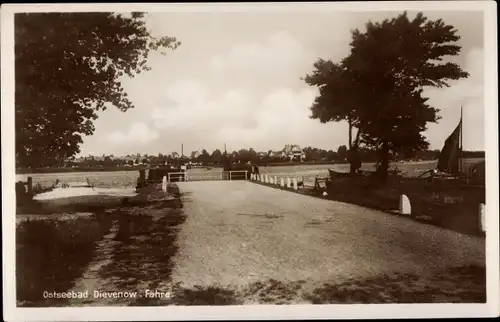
{"x":354,"y":159}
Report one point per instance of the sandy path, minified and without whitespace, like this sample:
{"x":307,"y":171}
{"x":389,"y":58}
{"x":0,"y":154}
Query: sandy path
{"x":239,"y":232}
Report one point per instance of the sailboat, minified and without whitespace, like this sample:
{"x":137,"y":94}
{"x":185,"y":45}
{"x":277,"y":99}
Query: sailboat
{"x":450,"y":158}
{"x":450,"y":162}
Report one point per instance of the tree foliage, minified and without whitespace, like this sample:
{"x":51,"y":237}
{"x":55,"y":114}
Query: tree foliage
{"x":68,"y":68}
{"x":379,"y":86}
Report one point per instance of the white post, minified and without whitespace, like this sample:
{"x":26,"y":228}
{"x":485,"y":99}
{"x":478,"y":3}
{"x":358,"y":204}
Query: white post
{"x":253,"y":176}
{"x":246,"y":174}
{"x":482,"y":217}
{"x":282,"y":182}
{"x":164,"y":184}
{"x":229,"y":175}
{"x":266,"y":180}
{"x":288,"y":183}
{"x":271,"y":180}
{"x":404,"y":205}
{"x":261,"y":178}
{"x":168,"y":177}
{"x":295,"y":184}
{"x":275,"y":180}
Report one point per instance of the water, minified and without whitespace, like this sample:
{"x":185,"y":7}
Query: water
{"x":128,"y":179}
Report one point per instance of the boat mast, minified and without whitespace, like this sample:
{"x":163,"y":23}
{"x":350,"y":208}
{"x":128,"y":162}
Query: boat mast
{"x":461,"y":139}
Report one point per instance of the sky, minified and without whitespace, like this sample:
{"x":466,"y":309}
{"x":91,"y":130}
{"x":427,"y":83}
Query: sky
{"x":236,"y":80}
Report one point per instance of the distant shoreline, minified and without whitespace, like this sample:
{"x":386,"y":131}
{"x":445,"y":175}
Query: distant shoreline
{"x":22,"y":171}
{"x":144,"y":167}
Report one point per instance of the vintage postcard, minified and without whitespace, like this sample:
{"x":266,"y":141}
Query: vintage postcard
{"x":249,"y":161}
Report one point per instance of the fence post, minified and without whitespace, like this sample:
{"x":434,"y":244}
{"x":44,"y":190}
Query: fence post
{"x":282,"y":182}
{"x":482,"y":217}
{"x":295,"y":185}
{"x":229,"y":175}
{"x":30,"y":186}
{"x":275,"y":180}
{"x":288,"y":183}
{"x":266,"y":179}
{"x":404,"y":205}
{"x":246,"y":174}
{"x":164,"y":184}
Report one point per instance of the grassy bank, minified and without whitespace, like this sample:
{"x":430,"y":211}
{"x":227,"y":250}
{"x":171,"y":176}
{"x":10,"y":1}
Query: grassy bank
{"x":450,"y":206}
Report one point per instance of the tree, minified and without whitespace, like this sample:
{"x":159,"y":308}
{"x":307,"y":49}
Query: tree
{"x":342,"y":152}
{"x":216,"y":156}
{"x":253,"y":156}
{"x":312,"y":154}
{"x":336,"y":101}
{"x":204,"y":157}
{"x":379,"y":86}
{"x":331,"y":155}
{"x":67,"y":69}
{"x":107,"y":162}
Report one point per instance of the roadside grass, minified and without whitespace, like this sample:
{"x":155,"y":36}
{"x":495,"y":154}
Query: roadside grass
{"x":146,"y":246}
{"x":456,"y":285}
{"x":51,"y":254}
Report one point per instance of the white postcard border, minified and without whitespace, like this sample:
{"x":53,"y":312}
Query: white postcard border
{"x":12,"y":313}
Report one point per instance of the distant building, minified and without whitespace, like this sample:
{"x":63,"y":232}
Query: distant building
{"x":277,"y":154}
{"x":290,"y":151}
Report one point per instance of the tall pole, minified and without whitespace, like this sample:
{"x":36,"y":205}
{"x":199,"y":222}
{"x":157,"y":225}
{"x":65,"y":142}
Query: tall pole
{"x":182,"y":150}
{"x":225,"y":151}
{"x":461,"y":137}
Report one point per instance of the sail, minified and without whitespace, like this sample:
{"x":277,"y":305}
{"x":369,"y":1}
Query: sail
{"x":449,"y":157}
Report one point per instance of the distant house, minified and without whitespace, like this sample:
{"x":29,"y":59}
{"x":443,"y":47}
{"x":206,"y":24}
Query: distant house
{"x":290,"y":151}
{"x":175,"y":155}
{"x":195,"y":154}
{"x":101,"y":158}
{"x":127,"y":159}
{"x":277,"y":155}
{"x":79,"y":160}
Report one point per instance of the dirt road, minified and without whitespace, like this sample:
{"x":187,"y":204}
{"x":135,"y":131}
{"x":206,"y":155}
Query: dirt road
{"x":240,"y":234}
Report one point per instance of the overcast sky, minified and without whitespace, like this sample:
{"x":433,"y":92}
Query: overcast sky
{"x":236,"y":79}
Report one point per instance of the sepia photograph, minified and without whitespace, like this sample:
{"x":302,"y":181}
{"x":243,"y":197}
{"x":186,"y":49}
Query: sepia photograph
{"x":242,"y":160}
